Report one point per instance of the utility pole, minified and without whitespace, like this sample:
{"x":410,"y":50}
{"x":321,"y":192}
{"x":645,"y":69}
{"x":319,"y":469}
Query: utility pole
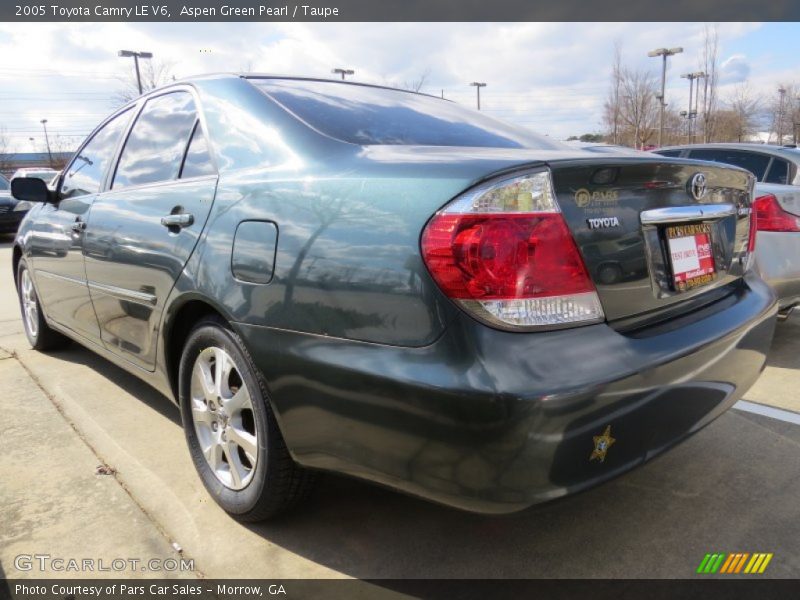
{"x":663,"y":53}
{"x":478,"y":85}
{"x":343,"y":72}
{"x":779,"y":128}
{"x":47,"y":141}
{"x":690,"y":77}
{"x":136,"y":56}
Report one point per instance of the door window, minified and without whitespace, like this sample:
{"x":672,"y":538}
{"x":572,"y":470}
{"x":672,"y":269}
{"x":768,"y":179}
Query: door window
{"x":155,"y":147}
{"x":85,"y":173}
{"x":778,"y":172}
{"x":198,"y":161}
{"x":754,"y":162}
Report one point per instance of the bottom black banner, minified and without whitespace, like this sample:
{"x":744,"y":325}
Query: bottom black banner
{"x":449,"y":589}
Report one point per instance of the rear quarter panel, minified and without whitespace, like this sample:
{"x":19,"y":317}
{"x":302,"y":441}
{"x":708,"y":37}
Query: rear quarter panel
{"x":347,"y":262}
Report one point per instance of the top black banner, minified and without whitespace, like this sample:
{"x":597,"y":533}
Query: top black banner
{"x":399,"y":10}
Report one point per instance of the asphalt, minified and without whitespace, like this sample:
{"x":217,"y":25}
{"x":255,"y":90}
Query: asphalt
{"x":734,"y":487}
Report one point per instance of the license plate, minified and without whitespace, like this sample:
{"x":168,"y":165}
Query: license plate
{"x":690,"y":255}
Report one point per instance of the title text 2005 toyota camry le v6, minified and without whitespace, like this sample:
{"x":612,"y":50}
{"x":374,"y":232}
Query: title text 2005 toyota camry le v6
{"x":336,"y":276}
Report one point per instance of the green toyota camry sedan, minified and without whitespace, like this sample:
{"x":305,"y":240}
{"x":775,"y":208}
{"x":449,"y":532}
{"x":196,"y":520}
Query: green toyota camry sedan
{"x":333,"y":276}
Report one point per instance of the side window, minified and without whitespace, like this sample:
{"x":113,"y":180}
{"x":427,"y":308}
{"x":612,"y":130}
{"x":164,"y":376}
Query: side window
{"x":778,"y":172}
{"x":752,"y":161}
{"x":198,"y":160}
{"x":674,"y":153}
{"x":85,"y":173}
{"x":154,"y":149}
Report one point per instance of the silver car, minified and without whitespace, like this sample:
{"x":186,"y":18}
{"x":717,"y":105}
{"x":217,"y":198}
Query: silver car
{"x":777,"y":206}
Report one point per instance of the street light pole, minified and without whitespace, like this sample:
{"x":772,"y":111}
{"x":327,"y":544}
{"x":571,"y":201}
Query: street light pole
{"x":664,"y":53}
{"x":343,"y":72}
{"x":690,"y":77}
{"x":478,"y":85}
{"x":693,"y":112}
{"x":136,"y":56}
{"x":47,"y":141}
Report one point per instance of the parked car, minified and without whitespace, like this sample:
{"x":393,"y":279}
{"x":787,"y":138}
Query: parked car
{"x":46,"y":174}
{"x":338,"y":276}
{"x":777,"y":204}
{"x":11,"y":210}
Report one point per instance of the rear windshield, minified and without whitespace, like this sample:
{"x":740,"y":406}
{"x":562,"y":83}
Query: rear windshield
{"x":366,"y":115}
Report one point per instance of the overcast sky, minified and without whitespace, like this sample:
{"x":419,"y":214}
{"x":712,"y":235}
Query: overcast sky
{"x":550,"y":77}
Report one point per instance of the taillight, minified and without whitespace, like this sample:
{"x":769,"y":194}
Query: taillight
{"x":770,"y":216}
{"x":504,"y":253}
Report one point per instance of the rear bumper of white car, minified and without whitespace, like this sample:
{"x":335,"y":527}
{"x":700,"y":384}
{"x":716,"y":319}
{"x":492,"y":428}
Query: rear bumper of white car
{"x":778,"y":261}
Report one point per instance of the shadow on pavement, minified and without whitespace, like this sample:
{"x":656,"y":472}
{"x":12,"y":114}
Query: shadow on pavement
{"x":6,"y":240}
{"x":785,"y":351}
{"x":78,"y":355}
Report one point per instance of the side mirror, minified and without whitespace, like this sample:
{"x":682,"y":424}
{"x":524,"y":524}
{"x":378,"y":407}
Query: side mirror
{"x":31,"y":189}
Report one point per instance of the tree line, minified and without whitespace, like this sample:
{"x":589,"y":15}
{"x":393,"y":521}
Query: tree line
{"x":632,"y":107}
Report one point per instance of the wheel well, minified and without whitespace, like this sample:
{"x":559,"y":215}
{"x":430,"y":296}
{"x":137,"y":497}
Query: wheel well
{"x":15,"y":258}
{"x":182,"y":322}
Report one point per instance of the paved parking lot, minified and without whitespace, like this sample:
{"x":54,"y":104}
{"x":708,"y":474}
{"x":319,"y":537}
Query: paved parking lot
{"x":734,"y":487}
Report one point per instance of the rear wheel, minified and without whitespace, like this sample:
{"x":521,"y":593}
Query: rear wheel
{"x":40,"y":335}
{"x":232,"y":433}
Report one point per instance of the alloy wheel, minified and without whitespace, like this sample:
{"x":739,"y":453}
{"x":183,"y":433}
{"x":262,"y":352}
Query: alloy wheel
{"x":222,"y":412}
{"x":30,"y":307}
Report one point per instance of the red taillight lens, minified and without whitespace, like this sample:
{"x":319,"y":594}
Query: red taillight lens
{"x":770,"y":216}
{"x":504,"y":253}
{"x":503,"y":257}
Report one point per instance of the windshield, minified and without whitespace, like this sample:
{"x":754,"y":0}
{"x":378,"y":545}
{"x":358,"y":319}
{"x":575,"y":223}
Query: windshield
{"x":3,"y":183}
{"x":367,"y":115}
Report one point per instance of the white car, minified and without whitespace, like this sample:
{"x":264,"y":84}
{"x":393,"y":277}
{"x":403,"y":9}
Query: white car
{"x":776,"y":204}
{"x":46,"y":174}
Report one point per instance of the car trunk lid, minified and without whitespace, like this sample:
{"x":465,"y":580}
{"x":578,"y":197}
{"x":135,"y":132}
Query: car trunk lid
{"x":638,"y":222}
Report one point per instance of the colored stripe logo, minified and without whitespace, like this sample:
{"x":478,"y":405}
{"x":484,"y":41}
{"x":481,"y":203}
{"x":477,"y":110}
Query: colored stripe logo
{"x":733,"y":563}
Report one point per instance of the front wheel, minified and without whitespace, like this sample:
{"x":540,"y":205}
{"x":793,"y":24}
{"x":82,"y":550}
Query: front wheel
{"x":230,"y":428}
{"x":40,"y":335}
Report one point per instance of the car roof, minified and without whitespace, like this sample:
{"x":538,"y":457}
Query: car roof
{"x":231,"y":75}
{"x":792,"y":154}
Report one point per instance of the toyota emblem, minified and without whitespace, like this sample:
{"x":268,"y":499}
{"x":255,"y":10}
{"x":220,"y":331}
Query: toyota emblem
{"x":698,"y":186}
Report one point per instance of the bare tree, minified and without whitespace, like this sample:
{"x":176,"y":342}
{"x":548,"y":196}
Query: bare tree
{"x":709,"y":64}
{"x":62,"y":147}
{"x":783,"y":112}
{"x":612,"y":107}
{"x":639,"y":107}
{"x":416,"y":84}
{"x":154,"y":73}
{"x":742,"y":111}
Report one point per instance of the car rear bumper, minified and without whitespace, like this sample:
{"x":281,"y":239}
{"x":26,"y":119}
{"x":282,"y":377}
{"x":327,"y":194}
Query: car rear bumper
{"x":494,"y":422}
{"x":777,"y":260}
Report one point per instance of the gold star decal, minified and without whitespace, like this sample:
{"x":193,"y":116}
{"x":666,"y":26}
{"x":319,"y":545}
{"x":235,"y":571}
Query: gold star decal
{"x":601,"y":445}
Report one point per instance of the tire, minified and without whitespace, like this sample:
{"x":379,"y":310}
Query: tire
{"x":40,"y":336}
{"x":233,"y":438}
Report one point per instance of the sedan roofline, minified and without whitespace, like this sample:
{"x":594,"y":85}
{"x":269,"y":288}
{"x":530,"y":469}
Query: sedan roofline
{"x":336,"y":81}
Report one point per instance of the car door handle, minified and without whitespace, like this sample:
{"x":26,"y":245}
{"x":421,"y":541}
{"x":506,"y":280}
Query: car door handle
{"x":180,"y":220}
